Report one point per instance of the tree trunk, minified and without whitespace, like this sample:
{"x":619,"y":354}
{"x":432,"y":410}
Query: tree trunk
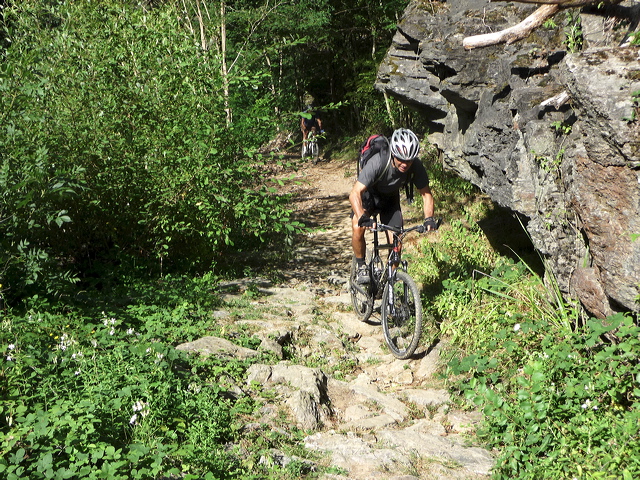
{"x":203,"y":38}
{"x":386,"y":102}
{"x":223,"y":56}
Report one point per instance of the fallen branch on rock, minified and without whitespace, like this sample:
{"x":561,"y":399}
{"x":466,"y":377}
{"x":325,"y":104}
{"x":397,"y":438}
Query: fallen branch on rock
{"x":567,"y":3}
{"x":533,"y":21}
{"x":515,"y":33}
{"x":556,"y":101}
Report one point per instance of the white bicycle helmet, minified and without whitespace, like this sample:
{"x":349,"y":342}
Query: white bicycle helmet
{"x":404,"y":144}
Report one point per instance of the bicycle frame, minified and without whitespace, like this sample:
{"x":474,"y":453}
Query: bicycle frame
{"x":310,"y":145}
{"x":379,"y":273}
{"x":394,"y":259}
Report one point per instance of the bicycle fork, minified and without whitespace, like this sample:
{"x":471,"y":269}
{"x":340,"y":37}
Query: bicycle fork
{"x":394,"y":263}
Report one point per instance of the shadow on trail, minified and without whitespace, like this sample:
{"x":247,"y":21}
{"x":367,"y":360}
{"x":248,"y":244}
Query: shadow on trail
{"x":326,"y":249}
{"x":334,"y":210}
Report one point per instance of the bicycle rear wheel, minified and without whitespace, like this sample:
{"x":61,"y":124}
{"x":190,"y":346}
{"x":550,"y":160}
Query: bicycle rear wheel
{"x":360,"y":298}
{"x":402,"y":315}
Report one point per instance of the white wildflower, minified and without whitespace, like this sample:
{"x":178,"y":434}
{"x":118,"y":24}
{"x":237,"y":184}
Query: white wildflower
{"x":516,"y":327}
{"x":11,"y":346}
{"x":140,"y":407}
{"x":134,"y":419}
{"x":65,"y":342}
{"x":130,"y":331}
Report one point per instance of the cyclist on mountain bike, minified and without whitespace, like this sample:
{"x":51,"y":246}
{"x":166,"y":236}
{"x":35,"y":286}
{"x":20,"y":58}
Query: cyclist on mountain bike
{"x":306,"y":124}
{"x":377,"y":191}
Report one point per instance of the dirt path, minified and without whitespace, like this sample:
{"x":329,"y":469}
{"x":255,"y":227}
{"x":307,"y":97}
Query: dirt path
{"x":389,"y":418}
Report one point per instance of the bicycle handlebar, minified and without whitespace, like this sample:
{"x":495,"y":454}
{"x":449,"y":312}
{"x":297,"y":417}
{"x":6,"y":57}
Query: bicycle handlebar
{"x":401,"y":231}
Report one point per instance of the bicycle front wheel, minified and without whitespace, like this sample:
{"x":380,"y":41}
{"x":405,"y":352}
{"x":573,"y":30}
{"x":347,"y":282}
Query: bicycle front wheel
{"x":402,"y":315}
{"x":360,"y":298}
{"x":315,"y":151}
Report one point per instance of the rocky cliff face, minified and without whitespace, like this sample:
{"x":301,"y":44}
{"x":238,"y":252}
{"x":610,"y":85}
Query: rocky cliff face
{"x":572,"y":172}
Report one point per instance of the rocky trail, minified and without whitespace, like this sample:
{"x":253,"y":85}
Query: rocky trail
{"x":369,"y":415}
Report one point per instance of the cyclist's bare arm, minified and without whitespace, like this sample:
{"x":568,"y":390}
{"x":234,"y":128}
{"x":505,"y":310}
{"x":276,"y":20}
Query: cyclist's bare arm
{"x":355,"y":198}
{"x":427,"y":202}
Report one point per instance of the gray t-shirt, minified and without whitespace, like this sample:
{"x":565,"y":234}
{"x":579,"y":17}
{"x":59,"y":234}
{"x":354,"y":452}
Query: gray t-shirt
{"x":392,"y":180}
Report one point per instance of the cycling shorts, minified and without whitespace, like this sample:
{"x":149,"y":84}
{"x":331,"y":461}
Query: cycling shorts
{"x":309,"y":123}
{"x":386,"y":206}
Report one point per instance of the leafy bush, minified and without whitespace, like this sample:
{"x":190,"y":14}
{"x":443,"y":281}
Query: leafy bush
{"x":115,"y":143}
{"x":566,"y":409}
{"x":559,"y":401}
{"x":106,"y":395}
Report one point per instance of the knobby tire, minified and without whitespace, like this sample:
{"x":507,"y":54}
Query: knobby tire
{"x":360,"y":299}
{"x":402,"y":327}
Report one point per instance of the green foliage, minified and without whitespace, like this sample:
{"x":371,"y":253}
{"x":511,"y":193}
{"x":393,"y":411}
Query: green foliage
{"x":105,"y":398}
{"x":461,"y":249}
{"x":559,"y":400}
{"x":547,"y":163}
{"x":569,"y":405}
{"x":561,"y":127}
{"x":114,"y":142}
{"x":31,"y":186}
{"x":123,"y":140}
{"x":559,"y":395}
{"x":573,"y":31}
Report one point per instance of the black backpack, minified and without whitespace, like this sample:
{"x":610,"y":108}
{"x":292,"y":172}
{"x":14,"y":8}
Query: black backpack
{"x":373,"y":145}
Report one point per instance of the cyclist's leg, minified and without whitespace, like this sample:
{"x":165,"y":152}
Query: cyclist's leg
{"x":358,"y":242}
{"x":357,"y":233}
{"x":391,"y":213}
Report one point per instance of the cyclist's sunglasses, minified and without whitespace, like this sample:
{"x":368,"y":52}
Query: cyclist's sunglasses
{"x":404,"y":161}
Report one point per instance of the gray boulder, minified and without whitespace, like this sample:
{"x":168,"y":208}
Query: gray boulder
{"x":570,"y":171}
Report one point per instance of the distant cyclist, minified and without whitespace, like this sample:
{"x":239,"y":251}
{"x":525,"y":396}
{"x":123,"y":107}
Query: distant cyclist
{"x":377,"y":191}
{"x":312,"y":122}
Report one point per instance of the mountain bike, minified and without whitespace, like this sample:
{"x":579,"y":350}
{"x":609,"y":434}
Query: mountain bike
{"x":310,"y":146}
{"x":401,"y":308}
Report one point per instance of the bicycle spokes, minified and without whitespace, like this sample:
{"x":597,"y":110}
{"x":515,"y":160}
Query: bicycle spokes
{"x":402,"y":315}
{"x":360,"y":297}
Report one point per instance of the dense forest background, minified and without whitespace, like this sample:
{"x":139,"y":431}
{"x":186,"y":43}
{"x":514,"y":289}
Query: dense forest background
{"x":130,"y":131}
